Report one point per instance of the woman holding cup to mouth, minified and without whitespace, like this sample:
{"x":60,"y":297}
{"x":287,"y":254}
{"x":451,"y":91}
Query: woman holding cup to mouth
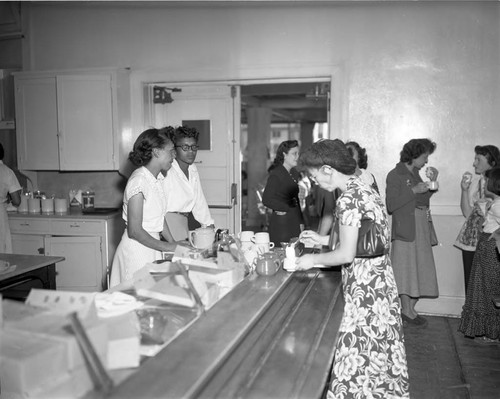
{"x":407,"y":199}
{"x":473,"y":204}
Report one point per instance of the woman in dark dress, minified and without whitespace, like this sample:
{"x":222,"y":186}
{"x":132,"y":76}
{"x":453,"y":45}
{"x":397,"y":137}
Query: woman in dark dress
{"x":282,"y":194}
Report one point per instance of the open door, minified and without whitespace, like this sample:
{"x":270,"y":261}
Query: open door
{"x":215,"y":111}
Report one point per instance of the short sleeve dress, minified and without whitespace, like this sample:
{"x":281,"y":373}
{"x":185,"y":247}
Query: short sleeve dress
{"x":8,"y":184}
{"x":370,"y":357}
{"x":131,"y":255}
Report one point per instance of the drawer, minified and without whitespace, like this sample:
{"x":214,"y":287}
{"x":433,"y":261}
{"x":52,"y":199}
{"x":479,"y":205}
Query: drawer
{"x":29,"y":226}
{"x":77,"y":227}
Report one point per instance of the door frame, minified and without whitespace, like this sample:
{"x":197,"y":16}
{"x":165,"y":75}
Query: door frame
{"x":144,"y":86}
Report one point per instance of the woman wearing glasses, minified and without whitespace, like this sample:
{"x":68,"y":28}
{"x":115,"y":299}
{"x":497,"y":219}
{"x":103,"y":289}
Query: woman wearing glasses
{"x":282,"y":194}
{"x":370,"y":357}
{"x":187,"y":207}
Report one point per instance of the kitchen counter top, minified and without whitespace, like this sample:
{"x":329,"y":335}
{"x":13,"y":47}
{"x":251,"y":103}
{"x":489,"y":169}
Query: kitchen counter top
{"x":268,"y":337}
{"x":71,"y":214}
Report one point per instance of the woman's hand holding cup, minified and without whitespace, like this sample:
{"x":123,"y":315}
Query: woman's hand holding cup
{"x":310,"y":238}
{"x":466,"y":180}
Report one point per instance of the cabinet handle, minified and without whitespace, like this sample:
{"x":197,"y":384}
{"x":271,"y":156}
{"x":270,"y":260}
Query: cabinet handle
{"x":74,"y":225}
{"x":25,"y":224}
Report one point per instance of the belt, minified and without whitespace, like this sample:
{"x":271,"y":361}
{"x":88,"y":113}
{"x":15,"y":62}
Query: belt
{"x":185,"y":214}
{"x":422,"y":207}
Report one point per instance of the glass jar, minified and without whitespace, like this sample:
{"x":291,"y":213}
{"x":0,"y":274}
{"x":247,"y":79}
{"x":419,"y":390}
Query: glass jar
{"x":88,"y":199}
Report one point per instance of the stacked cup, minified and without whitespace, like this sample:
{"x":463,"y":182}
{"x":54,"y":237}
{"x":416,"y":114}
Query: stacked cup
{"x":246,"y":240}
{"x":262,"y":242}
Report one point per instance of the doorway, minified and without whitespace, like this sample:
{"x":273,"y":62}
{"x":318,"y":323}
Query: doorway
{"x":271,"y":113}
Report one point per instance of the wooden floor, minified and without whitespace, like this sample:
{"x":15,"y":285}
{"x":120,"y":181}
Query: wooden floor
{"x":444,"y":364}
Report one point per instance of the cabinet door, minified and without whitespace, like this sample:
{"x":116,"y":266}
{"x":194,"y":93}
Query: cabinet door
{"x":28,"y":244}
{"x":82,"y":268}
{"x":36,"y":123}
{"x":85,"y":118}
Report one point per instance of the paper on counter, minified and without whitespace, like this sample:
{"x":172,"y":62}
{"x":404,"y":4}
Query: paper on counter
{"x":115,"y":303}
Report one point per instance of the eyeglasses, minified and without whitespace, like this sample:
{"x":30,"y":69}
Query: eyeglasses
{"x":186,"y":147}
{"x":315,"y":177}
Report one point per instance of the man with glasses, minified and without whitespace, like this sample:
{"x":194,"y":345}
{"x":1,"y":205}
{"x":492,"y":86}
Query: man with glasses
{"x":187,"y":207}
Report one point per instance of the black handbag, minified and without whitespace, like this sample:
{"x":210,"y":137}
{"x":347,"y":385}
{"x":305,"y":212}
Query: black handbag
{"x":370,"y":243}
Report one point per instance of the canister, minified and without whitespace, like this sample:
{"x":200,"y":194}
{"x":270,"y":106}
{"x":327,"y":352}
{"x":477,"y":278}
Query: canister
{"x":34,"y":205}
{"x":23,"y":206}
{"x":47,"y":205}
{"x":61,"y":205}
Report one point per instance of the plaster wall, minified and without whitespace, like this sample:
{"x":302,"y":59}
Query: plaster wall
{"x":399,"y":70}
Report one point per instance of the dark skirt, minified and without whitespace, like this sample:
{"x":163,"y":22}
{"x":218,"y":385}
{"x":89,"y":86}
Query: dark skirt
{"x":479,"y":314}
{"x":284,"y":227}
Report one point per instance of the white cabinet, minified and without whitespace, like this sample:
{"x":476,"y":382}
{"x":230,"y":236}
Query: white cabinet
{"x":88,"y":245}
{"x":81,"y":270}
{"x":71,"y":121}
{"x":28,"y":244}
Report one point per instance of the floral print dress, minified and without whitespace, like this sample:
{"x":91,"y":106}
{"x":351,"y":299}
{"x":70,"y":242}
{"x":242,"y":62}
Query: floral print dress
{"x":370,"y":357}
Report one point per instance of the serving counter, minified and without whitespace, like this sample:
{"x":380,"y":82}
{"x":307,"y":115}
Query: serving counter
{"x":269,"y":337}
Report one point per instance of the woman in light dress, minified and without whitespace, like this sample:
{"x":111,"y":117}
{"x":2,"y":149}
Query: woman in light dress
{"x":9,"y":186}
{"x":144,"y":206}
{"x":370,"y":357}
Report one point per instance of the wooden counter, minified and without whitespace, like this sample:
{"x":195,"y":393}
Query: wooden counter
{"x":269,"y":337}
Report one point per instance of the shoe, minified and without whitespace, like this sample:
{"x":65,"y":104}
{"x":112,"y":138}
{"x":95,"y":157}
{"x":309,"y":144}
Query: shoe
{"x":484,"y":340}
{"x":418,"y":321}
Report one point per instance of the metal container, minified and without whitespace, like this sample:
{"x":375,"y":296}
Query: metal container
{"x":88,"y":199}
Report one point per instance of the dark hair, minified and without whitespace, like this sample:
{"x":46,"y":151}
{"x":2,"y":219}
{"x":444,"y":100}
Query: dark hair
{"x":147,"y":141}
{"x":333,"y":153}
{"x":181,"y":132}
{"x":362,"y":157}
{"x":283,"y":149}
{"x":493,"y":184}
{"x":2,"y":152}
{"x":416,"y":147}
{"x":490,"y":152}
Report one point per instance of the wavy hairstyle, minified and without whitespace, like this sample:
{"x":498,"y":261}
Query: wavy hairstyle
{"x":490,"y":152}
{"x":416,"y":147}
{"x":144,"y":145}
{"x":181,"y":132}
{"x":283,"y":149}
{"x":362,"y":157}
{"x":333,"y":153}
{"x":493,"y":184}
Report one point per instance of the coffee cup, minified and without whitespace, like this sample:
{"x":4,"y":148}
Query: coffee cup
{"x":262,"y":242}
{"x":467,"y":177}
{"x":246,"y":239}
{"x":433,"y":185}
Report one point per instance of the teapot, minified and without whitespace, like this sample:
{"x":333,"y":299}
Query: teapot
{"x":202,"y":237}
{"x":267,"y":264}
